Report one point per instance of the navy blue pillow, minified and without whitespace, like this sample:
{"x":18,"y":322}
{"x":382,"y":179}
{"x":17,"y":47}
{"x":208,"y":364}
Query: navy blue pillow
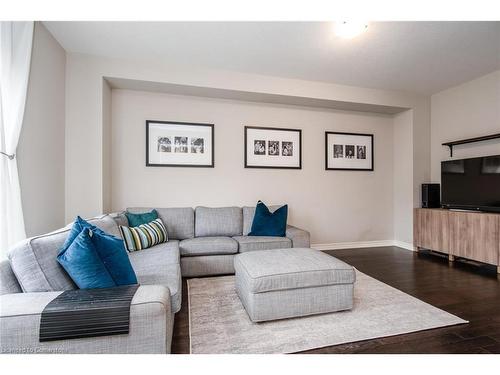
{"x":109,"y":249}
{"x":267,"y":223}
{"x":83,"y":264}
{"x":77,"y":228}
{"x":113,"y":255}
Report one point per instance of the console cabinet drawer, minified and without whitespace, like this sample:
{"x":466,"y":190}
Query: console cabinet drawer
{"x":475,"y":236}
{"x":431,"y":229}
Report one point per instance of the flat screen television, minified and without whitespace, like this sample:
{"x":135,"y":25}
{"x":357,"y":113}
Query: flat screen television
{"x":471,"y":184}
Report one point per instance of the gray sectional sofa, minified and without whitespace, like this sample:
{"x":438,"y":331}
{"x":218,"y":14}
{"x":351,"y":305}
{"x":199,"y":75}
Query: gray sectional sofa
{"x":201,"y":242}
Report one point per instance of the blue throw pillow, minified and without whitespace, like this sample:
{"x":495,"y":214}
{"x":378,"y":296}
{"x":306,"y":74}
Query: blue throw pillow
{"x":267,"y":223}
{"x":111,"y":251}
{"x":77,"y":228}
{"x":134,"y":220}
{"x":83,"y":264}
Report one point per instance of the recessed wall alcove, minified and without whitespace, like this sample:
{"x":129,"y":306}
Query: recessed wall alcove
{"x":338,"y":207}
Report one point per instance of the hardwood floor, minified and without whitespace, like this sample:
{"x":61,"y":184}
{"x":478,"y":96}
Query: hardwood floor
{"x":469,"y":291}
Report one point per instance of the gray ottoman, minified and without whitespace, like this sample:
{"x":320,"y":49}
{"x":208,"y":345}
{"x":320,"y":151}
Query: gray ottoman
{"x":286,"y":283}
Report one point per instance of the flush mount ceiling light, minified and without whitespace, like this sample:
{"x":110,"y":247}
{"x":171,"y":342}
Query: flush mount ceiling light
{"x":350,"y":29}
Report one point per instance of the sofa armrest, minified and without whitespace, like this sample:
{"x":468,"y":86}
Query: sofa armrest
{"x":299,"y":237}
{"x":151,"y":325}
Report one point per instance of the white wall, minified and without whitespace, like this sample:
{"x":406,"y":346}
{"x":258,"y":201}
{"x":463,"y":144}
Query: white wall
{"x":403,"y":177}
{"x":84,"y":117}
{"x":336,"y":206}
{"x":40,"y":151}
{"x":471,"y":109}
{"x":86,"y":145}
{"x":81,"y":171}
{"x":106,"y":147}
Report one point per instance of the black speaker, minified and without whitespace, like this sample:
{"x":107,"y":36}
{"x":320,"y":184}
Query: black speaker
{"x":431,"y":196}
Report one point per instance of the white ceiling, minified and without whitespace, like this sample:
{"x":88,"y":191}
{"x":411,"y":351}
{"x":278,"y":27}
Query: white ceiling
{"x":422,"y":57}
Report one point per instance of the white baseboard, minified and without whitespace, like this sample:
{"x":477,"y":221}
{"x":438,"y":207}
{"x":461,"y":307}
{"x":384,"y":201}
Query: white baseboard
{"x":404,"y":245}
{"x":362,"y":244}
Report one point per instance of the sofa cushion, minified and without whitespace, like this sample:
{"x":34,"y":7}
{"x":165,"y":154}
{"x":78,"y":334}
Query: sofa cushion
{"x":220,"y":221}
{"x":160,"y":265}
{"x":253,"y":243}
{"x":207,"y":265}
{"x":34,"y":260}
{"x":249,"y":213}
{"x":178,"y":221}
{"x":289,"y":269}
{"x":8,"y":281}
{"x":120,"y":218}
{"x":208,"y":246}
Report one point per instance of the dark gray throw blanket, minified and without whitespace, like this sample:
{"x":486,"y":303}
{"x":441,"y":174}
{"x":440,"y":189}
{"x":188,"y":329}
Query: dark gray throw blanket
{"x":87,"y":313}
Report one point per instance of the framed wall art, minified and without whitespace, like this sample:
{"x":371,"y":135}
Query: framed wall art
{"x":179,"y":144}
{"x":348,"y":151}
{"x":273,"y":148}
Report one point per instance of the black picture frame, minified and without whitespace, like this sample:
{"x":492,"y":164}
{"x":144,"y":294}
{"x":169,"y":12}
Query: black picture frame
{"x":299,"y":131}
{"x":212,"y":126}
{"x":372,"y":168}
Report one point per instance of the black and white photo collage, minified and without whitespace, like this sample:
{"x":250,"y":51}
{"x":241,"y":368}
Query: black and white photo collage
{"x":349,"y":151}
{"x":273,"y":148}
{"x":180,"y":144}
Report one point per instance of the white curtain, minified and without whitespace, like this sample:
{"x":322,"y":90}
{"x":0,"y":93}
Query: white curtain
{"x":16,"y":39}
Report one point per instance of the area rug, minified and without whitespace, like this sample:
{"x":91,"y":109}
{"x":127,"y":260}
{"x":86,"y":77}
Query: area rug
{"x":219,"y":323}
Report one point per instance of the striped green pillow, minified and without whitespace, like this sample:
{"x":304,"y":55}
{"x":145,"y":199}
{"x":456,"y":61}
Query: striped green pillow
{"x":144,"y":236}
